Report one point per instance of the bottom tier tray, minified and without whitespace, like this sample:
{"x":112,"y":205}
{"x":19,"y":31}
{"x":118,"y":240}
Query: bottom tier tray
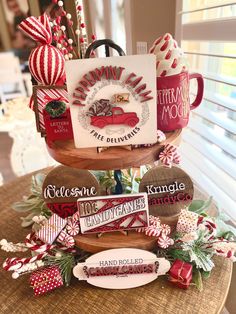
{"x":91,"y":243}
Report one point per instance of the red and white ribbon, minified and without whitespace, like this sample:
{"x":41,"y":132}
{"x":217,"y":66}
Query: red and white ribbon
{"x":37,"y":29}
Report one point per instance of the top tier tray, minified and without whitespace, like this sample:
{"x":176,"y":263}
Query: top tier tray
{"x":111,"y":159}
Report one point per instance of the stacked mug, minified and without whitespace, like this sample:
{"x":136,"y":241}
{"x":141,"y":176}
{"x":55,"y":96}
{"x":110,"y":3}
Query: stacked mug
{"x":173,"y":80}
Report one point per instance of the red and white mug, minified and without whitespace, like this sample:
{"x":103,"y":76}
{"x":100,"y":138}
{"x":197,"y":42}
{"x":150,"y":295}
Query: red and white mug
{"x":173,"y":102}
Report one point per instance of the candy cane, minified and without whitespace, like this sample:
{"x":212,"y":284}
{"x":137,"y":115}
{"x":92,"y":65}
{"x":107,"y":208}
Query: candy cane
{"x":33,"y":246}
{"x":16,"y":263}
{"x":153,"y":231}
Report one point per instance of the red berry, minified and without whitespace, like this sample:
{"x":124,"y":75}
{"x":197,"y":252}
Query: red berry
{"x":65,"y":44}
{"x":70,"y":48}
{"x":79,"y":7}
{"x":70,"y":23}
{"x":82,"y":25}
{"x":58,"y":20}
{"x":54,"y":1}
{"x":81,"y":40}
{"x":93,"y":37}
{"x":63,"y":13}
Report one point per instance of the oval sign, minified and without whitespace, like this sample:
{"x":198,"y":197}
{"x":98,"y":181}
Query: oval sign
{"x":121,"y":268}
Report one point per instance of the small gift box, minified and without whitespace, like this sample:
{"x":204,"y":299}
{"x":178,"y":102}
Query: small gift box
{"x":46,"y":279}
{"x":180,"y":274}
{"x":51,"y":229}
{"x":187,"y":222}
{"x":58,"y":127}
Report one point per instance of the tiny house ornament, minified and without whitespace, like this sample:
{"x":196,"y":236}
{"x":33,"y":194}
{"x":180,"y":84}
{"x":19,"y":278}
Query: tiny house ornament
{"x":46,"y":63}
{"x":63,"y":186}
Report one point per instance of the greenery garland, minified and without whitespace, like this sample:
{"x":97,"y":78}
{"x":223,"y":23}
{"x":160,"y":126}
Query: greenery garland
{"x":55,"y":108}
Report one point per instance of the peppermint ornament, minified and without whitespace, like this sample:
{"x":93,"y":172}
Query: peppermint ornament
{"x":154,"y":220}
{"x":165,"y":229}
{"x":152,"y":231}
{"x":72,"y":228}
{"x":160,"y":136}
{"x":164,"y":241}
{"x":166,"y":158}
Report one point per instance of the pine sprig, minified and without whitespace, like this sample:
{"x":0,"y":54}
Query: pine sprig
{"x":65,"y":262}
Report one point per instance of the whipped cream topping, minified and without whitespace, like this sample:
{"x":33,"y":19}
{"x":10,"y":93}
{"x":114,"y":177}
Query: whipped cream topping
{"x":170,"y":59}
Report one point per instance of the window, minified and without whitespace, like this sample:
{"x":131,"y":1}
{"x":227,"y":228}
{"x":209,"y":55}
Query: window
{"x":206,"y":30}
{"x":108,"y":21}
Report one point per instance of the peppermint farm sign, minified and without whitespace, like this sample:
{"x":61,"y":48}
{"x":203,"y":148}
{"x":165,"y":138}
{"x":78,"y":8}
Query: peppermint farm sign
{"x":112,"y":101}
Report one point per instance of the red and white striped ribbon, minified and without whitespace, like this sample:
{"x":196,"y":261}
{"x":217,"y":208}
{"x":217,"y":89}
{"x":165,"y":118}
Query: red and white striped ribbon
{"x":37,"y":29}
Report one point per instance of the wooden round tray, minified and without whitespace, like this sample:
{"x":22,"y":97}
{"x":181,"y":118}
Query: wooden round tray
{"x":113,"y":158}
{"x":113,"y":240}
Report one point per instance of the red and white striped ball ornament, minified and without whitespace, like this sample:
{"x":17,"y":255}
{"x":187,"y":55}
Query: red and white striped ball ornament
{"x":46,"y":63}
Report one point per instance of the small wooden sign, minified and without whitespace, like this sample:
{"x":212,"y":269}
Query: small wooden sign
{"x":169,"y":190}
{"x":112,"y":101}
{"x":121,"y":268}
{"x":112,"y":213}
{"x":51,"y":106}
{"x":63,"y":186}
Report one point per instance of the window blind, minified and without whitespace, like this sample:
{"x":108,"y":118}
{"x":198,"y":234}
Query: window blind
{"x":206,"y":30}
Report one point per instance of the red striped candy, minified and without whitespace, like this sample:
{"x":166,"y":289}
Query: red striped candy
{"x":46,"y":63}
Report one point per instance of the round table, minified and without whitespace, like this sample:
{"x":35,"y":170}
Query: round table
{"x":159,"y":296}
